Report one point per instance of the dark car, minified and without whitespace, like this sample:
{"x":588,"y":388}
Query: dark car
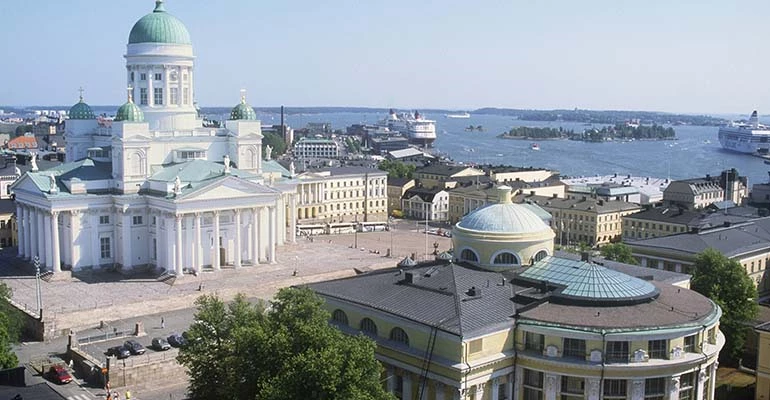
{"x":160,"y":344}
{"x":134,"y":347}
{"x":177,"y":340}
{"x":119,"y":352}
{"x":58,"y":374}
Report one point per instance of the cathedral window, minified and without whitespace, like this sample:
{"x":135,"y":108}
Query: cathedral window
{"x":174,"y":96}
{"x":104,"y":219}
{"x":137,"y":219}
{"x":105,"y":247}
{"x":158,"y":77}
{"x":143,"y":76}
{"x":186,"y":95}
{"x":143,"y":96}
{"x":158,"y":99}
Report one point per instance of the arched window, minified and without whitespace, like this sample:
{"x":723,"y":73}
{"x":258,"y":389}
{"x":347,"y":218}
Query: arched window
{"x":368,"y":326}
{"x":137,"y":164}
{"x":340,"y":317}
{"x":540,"y":255}
{"x":398,"y":335}
{"x":468,"y":255}
{"x":250,"y":159}
{"x":506,"y":258}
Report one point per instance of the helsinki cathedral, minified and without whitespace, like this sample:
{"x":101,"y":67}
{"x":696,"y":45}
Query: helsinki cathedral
{"x":155,"y":188}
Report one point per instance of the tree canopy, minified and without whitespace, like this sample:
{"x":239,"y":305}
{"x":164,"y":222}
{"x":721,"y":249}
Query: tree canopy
{"x":397,"y":169}
{"x":10,"y":329}
{"x":726,"y":283}
{"x":618,"y":252}
{"x":275,"y":141}
{"x":240,"y":351}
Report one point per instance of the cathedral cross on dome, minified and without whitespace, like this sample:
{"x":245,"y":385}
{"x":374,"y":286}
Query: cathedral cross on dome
{"x":130,"y":91}
{"x":243,"y":96}
{"x":81,"y":93}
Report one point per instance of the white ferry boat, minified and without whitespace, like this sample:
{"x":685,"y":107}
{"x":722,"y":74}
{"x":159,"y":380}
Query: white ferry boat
{"x":463,"y":115}
{"x":418,"y":130}
{"x":751,"y":137}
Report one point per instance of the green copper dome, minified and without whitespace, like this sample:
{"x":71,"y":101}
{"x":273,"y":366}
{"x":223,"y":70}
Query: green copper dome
{"x":81,"y":110}
{"x":129,"y":112}
{"x":159,"y":27}
{"x":243,"y":111}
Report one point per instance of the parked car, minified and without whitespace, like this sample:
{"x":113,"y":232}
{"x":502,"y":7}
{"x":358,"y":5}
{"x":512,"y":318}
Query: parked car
{"x":134,"y":347}
{"x":58,"y":374}
{"x":160,"y":344}
{"x":177,"y":340}
{"x":119,"y":351}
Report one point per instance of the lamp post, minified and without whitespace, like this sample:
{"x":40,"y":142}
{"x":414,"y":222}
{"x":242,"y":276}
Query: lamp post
{"x":39,"y":296}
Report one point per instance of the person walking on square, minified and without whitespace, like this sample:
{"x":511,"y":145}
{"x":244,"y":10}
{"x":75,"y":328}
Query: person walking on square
{"x":162,"y":323}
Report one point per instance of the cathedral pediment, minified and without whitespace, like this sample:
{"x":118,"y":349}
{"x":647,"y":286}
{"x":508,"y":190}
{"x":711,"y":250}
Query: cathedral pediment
{"x":228,"y":188}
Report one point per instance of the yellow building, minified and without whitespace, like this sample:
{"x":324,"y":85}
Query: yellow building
{"x":585,"y":219}
{"x":665,"y":221}
{"x":465,"y":198}
{"x":763,"y":362}
{"x":343,"y":194}
{"x":7,"y":223}
{"x":444,"y":176}
{"x":558,"y":329}
{"x":748,"y":243}
{"x":397,"y":187}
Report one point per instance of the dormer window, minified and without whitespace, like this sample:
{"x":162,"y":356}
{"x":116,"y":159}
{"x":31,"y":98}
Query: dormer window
{"x":183,"y":155}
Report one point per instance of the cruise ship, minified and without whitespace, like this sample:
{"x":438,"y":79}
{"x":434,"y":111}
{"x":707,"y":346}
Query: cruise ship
{"x":418,"y":130}
{"x":462,"y":115}
{"x":751,"y":137}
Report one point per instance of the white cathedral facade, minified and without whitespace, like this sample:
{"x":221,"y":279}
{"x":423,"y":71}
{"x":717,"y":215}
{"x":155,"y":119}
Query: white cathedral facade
{"x":155,"y":189}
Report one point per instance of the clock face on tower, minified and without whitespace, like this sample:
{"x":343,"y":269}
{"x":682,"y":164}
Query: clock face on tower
{"x":173,"y":75}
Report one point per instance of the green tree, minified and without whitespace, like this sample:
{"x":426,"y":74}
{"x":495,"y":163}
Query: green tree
{"x":239,"y":351}
{"x":618,"y":252}
{"x":726,"y":283}
{"x":10,"y":329}
{"x":275,"y":141}
{"x":397,"y":169}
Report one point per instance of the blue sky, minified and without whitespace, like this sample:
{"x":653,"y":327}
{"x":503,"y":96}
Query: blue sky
{"x":683,"y":56}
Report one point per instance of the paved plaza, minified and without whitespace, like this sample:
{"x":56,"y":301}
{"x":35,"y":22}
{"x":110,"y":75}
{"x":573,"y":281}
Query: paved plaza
{"x":82,"y":300}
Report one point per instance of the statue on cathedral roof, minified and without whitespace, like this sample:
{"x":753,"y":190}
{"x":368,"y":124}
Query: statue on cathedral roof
{"x":268,"y":152}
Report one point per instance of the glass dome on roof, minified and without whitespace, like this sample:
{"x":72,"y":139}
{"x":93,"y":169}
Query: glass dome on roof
{"x":589,"y":282}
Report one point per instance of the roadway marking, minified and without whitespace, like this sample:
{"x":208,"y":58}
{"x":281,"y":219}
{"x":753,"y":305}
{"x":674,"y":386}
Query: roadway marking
{"x":80,"y":397}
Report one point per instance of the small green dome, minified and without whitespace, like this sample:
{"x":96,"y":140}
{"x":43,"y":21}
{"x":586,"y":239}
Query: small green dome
{"x":159,"y":27}
{"x":243,"y":111}
{"x":81,"y":110}
{"x":129,"y":112}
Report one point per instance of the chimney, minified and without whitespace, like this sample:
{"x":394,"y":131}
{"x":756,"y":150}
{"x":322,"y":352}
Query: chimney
{"x":585,"y":256}
{"x":410,"y":277}
{"x":473,"y":291}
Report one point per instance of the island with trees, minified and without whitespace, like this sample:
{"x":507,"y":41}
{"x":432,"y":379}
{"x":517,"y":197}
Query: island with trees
{"x":526,"y":132}
{"x":623,"y":131}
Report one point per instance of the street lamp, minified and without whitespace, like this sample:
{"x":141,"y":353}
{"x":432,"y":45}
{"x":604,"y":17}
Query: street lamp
{"x":36,"y":262}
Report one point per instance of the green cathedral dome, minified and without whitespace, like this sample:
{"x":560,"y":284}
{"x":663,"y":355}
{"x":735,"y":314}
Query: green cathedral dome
{"x":159,"y":27}
{"x":243,"y":111}
{"x":129,"y":112}
{"x":81,"y":110}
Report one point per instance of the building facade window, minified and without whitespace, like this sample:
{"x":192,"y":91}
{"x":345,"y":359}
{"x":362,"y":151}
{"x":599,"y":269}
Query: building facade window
{"x":104,"y":219}
{"x":614,"y":389}
{"x":158,"y":96}
{"x":572,"y":388}
{"x":340,"y":317}
{"x":655,"y":389}
{"x":574,"y":348}
{"x":506,"y":258}
{"x":687,"y":386}
{"x":158,"y":76}
{"x":143,"y":96}
{"x":174,"y":96}
{"x":534,"y":341}
{"x":469,"y":255}
{"x":398,"y":335}
{"x":186,"y":95}
{"x":104,"y":245}
{"x":617,"y":351}
{"x":540,"y":255}
{"x":533,"y":385}
{"x":368,"y":326}
{"x":143,"y":76}
{"x":689,"y":343}
{"x":657,"y":349}
{"x":137,"y":220}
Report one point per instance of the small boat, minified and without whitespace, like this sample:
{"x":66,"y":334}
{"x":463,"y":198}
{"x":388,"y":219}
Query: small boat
{"x":463,"y":115}
{"x":534,"y":146}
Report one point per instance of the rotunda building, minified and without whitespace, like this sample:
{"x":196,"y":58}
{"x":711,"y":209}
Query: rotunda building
{"x":501,"y":236}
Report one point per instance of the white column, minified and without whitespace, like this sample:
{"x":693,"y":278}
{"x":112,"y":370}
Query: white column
{"x":95,"y":250}
{"x":215,"y":262}
{"x":700,"y":392}
{"x":198,"y":245}
{"x":126,"y":243}
{"x":237,"y":238}
{"x":293,"y":218}
{"x":673,"y":388}
{"x":20,"y":229}
{"x":261,"y":236}
{"x":593,"y":388}
{"x":495,"y":392}
{"x":73,"y":242}
{"x":178,"y":245}
{"x":47,"y":242}
{"x":407,"y":388}
{"x":28,"y":234}
{"x":150,"y":81}
{"x":255,"y":234}
{"x":169,"y":243}
{"x":509,"y":390}
{"x":552,"y":383}
{"x":40,"y":250}
{"x":637,"y":389}
{"x":56,"y":255}
{"x":271,"y":241}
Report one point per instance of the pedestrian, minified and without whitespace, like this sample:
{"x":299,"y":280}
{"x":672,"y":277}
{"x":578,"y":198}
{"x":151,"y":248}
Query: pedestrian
{"x":70,"y":364}
{"x":162,"y":323}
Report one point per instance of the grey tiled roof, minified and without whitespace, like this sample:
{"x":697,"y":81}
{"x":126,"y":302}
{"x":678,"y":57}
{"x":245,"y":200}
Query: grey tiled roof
{"x":426,"y":194}
{"x":7,"y":206}
{"x":441,"y":169}
{"x":731,"y":241}
{"x":700,"y":219}
{"x":589,"y":204}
